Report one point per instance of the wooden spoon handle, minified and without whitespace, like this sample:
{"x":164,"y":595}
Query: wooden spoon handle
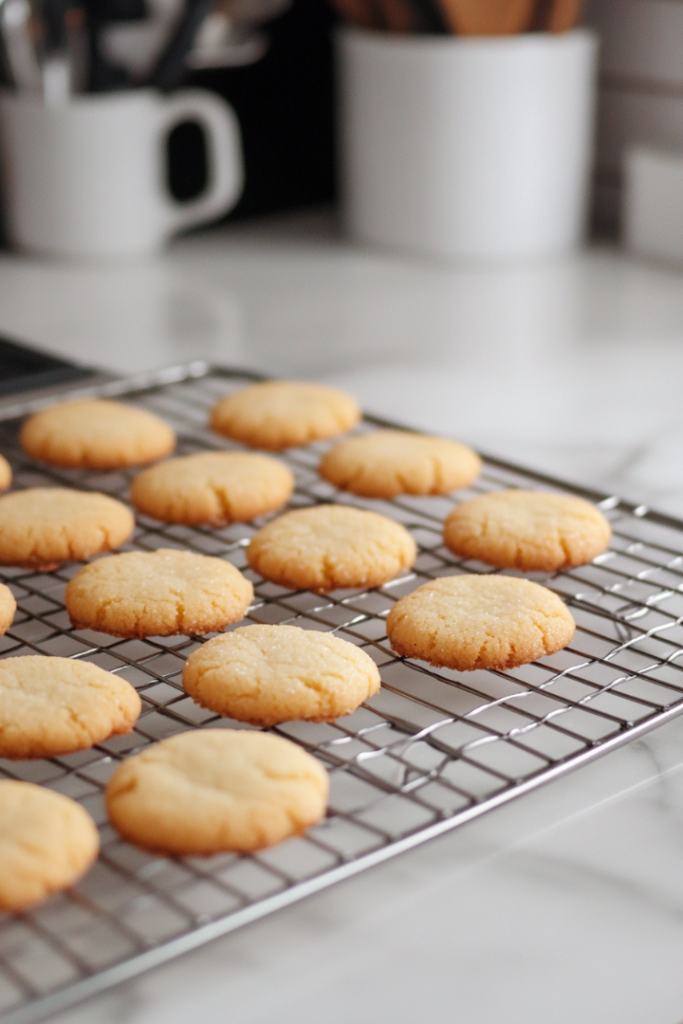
{"x":565,"y":15}
{"x":488,"y":17}
{"x":540,"y":18}
{"x":359,"y":12}
{"x":398,"y":15}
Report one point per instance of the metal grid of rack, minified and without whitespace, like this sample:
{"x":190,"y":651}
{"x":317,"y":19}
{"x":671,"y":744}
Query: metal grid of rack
{"x":432,"y":750}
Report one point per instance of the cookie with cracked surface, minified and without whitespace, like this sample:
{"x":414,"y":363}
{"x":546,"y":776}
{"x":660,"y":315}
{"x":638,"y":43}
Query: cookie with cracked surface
{"x":96,"y":434}
{"x":45,"y":526}
{"x":391,"y":462}
{"x":475,"y":622}
{"x":213,"y":488}
{"x":157,"y":593}
{"x":216,"y":790}
{"x":279,"y":414}
{"x":53,"y":706}
{"x":270,"y":674}
{"x":331,"y":546}
{"x":8,"y":607}
{"x":5,"y":473}
{"x":47,"y":842}
{"x":527,"y":530}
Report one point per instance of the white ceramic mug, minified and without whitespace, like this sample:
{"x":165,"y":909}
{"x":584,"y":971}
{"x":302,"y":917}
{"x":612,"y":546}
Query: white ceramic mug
{"x":470,"y":148}
{"x":88,"y":179}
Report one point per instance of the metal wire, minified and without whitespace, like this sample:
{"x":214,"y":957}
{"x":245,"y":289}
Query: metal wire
{"x":432,"y":750}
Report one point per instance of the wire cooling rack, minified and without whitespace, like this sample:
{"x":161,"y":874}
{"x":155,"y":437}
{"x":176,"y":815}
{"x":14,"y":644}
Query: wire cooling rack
{"x":434,"y":749}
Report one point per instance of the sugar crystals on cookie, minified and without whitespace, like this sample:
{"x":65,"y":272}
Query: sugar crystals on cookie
{"x":213,"y":488}
{"x":96,"y":434}
{"x":386,"y":463}
{"x":47,"y":842}
{"x":45,"y":526}
{"x":477,"y":622}
{"x":327,"y":547}
{"x":157,"y":593}
{"x":216,"y":790}
{"x":51,"y":706}
{"x":528,"y":530}
{"x":269,"y":674}
{"x":279,"y":414}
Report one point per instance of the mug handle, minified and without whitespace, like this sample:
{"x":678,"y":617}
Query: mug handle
{"x":224,"y":156}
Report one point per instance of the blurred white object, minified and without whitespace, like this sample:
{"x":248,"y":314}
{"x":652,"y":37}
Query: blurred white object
{"x":15,"y":18}
{"x":476,"y":148}
{"x":653,"y":203}
{"x":87,"y":179}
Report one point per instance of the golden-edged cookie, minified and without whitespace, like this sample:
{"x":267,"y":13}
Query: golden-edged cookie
{"x":527,"y":530}
{"x":270,"y":674}
{"x":45,"y":526}
{"x":52,"y":706}
{"x":47,"y":842}
{"x":213,"y":488}
{"x":473,"y":622}
{"x":5,"y":473}
{"x":157,"y":593}
{"x":214,"y":790}
{"x":96,"y":434}
{"x":281,"y":414}
{"x":8,"y":607}
{"x":391,"y":462}
{"x":331,"y":546}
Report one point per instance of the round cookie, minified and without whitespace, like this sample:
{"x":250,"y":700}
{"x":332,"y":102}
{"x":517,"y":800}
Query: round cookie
{"x":391,"y":462}
{"x":5,"y":473}
{"x":213,"y":487}
{"x":473,"y":622}
{"x":52,"y":706}
{"x":47,"y":842}
{"x":270,"y":674}
{"x":96,"y":434}
{"x":331,"y":546}
{"x":45,"y":526}
{"x":157,"y":593}
{"x":215,"y":790}
{"x":282,"y":414}
{"x":8,"y":607}
{"x":527,"y":530}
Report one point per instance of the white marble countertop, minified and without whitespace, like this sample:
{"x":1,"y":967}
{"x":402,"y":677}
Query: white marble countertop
{"x":566,"y":905}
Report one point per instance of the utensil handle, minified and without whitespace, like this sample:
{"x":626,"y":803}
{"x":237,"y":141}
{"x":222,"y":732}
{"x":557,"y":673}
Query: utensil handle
{"x":565,"y":15}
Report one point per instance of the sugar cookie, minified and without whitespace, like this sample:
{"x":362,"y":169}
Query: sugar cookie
{"x":527,"y":530}
{"x":213,"y":488}
{"x":8,"y":607}
{"x":281,"y":414}
{"x":473,"y":622}
{"x":386,"y":463}
{"x":52,"y":706}
{"x":270,"y":674}
{"x":158,"y":593}
{"x":330,"y":546}
{"x":5,"y":473}
{"x":96,"y":434}
{"x":216,"y":790}
{"x":47,"y":842}
{"x":45,"y":526}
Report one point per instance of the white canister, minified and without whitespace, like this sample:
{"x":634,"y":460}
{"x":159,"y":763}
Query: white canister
{"x":469,"y":148}
{"x":88,"y":179}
